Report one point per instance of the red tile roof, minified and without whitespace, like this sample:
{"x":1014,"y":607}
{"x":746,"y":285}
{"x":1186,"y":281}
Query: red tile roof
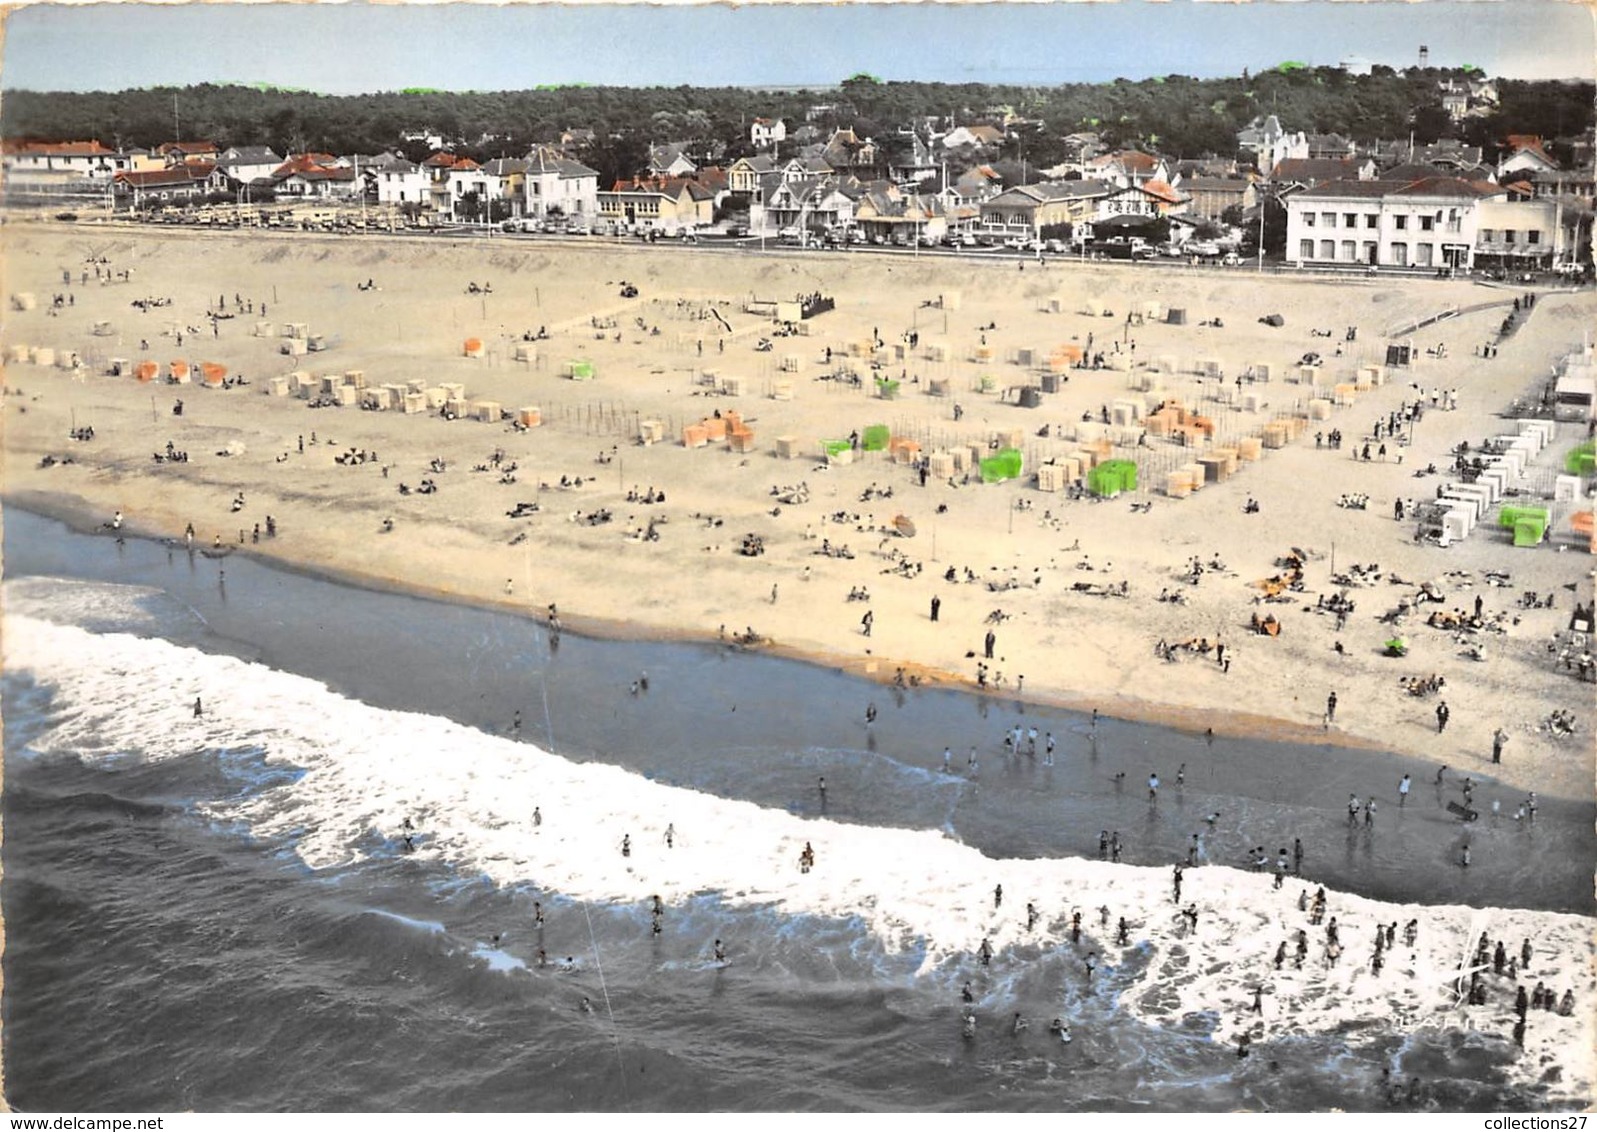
{"x":1163,"y":191}
{"x":56,"y":149}
{"x":187,"y":174}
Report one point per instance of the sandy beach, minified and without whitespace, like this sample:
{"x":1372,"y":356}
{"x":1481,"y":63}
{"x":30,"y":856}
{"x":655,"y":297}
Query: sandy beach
{"x":1051,"y":565}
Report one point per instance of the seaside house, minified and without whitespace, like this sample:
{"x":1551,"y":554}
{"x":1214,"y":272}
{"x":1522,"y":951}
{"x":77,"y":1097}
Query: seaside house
{"x":1524,"y":154}
{"x":180,"y":184}
{"x":555,"y":185}
{"x":1307,"y":172}
{"x":510,"y":173}
{"x":1518,"y":233}
{"x":1150,"y":198}
{"x":1026,"y":210}
{"x":743,"y":175}
{"x":320,"y":176}
{"x":664,"y":204}
{"x":188,"y":152}
{"x":670,"y":161}
{"x":244,"y":164}
{"x":767,"y":133}
{"x":1428,"y":223}
{"x":65,"y":160}
{"x":812,"y":205}
{"x":977,"y":184}
{"x":895,"y":217}
{"x":1128,"y":167}
{"x":1270,"y":144}
{"x":399,"y":181}
{"x":1211,"y":196}
{"x":972,"y":138}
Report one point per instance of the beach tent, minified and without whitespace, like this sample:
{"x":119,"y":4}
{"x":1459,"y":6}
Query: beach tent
{"x":212,"y":374}
{"x":472,"y":348}
{"x":1005,"y":464}
{"x":1582,"y":461}
{"x":580,"y":370}
{"x":1176,"y":316}
{"x":1398,"y":355}
{"x":876,"y":438}
{"x":1112,"y":477}
{"x":1511,"y":517}
{"x":146,"y":371}
{"x":837,"y":447}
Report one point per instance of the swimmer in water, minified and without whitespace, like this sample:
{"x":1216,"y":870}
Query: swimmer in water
{"x":587,"y":1007}
{"x":968,"y":1026}
{"x":1020,"y":1024}
{"x":719,"y":952}
{"x":966,"y":994}
{"x":1060,"y":1027}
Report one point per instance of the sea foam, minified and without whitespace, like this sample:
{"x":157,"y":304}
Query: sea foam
{"x":471,"y":799}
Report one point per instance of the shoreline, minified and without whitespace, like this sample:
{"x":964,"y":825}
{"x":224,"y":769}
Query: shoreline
{"x":76,"y":513}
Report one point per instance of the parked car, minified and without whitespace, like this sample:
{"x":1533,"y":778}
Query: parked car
{"x":1230,"y":259}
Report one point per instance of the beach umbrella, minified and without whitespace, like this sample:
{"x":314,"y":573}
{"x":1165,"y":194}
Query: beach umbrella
{"x":904,"y":525}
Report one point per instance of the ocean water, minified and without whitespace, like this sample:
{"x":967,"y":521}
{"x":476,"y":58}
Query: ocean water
{"x":222,"y":912}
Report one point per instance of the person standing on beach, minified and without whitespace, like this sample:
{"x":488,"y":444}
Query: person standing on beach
{"x":199,"y":710}
{"x":1402,"y":790}
{"x":866,"y":622}
{"x":991,"y":641}
{"x":1048,"y":756}
{"x":1153,"y":787}
{"x":1442,"y":714}
{"x":1330,"y":709}
{"x":937,"y":605}
{"x":1499,"y":741}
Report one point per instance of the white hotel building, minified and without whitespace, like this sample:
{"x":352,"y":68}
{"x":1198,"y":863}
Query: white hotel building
{"x":1429,"y":223}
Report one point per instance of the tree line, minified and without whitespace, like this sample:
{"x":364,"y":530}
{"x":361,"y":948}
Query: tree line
{"x":1176,"y":115}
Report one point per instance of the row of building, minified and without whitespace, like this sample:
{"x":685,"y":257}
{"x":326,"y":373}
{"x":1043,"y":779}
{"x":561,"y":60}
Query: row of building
{"x":1432,"y":206}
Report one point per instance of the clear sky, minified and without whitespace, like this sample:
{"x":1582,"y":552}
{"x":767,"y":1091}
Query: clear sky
{"x":357,"y":47}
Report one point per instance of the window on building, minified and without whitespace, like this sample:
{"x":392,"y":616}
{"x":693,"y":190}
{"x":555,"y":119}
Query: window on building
{"x":1534,"y":236}
{"x":1308,"y":219}
{"x":1372,"y":220}
{"x":1486,"y":235}
{"x":1306,"y":249}
{"x":1400,"y":222}
{"x":1327,"y":249}
{"x":1427,"y":223}
{"x":1349,"y":251}
{"x":1328,"y":219}
{"x":1508,"y":235}
{"x":1369,"y":251}
{"x":1422,"y":255}
{"x":1400,"y":255}
{"x":1350,"y":220}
